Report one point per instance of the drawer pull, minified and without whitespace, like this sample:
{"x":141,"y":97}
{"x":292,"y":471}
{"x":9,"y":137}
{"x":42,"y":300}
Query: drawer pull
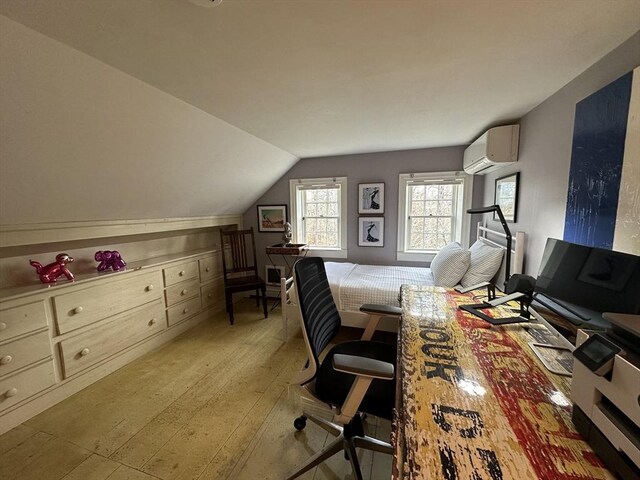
{"x":185,"y":310}
{"x":6,"y":359}
{"x":12,"y":392}
{"x":3,"y":326}
{"x":149,"y":288}
{"x":153,"y":321}
{"x":207,"y":269}
{"x":183,"y":292}
{"x":182,"y":272}
{"x":78,"y":310}
{"x":209,"y":295}
{"x":85,"y":352}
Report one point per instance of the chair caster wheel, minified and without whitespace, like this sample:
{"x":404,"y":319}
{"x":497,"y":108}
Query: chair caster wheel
{"x":300,"y":422}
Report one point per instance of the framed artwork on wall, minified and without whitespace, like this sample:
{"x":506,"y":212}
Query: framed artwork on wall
{"x":271,"y":218}
{"x":507,"y":196}
{"x":371,"y":231}
{"x":371,"y":198}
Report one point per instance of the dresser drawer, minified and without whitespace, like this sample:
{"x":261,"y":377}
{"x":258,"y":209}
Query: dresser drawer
{"x":77,"y":309}
{"x":20,"y":353}
{"x":180,"y":273}
{"x":18,"y":387}
{"x":83,"y":351}
{"x":182,"y":291}
{"x":213,"y":293}
{"x":183,"y":310}
{"x":210,"y":267}
{"x":25,"y":318}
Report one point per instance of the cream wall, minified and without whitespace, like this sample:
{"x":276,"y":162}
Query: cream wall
{"x":80,"y":140}
{"x":546,"y":136}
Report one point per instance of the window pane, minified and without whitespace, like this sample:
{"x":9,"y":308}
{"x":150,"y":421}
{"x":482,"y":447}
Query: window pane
{"x":417,"y":208}
{"x":445,"y":191}
{"x":321,"y":195}
{"x":332,"y":209}
{"x":431,"y":208}
{"x":432,"y":192}
{"x":321,"y":209}
{"x":311,"y":210}
{"x":310,"y":195}
{"x":445,"y":208}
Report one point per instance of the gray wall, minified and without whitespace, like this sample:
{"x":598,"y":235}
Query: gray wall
{"x":363,"y":168}
{"x":546,"y":136}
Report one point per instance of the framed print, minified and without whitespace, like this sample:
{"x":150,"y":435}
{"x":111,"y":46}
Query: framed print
{"x":507,"y":196}
{"x":273,"y":274}
{"x":371,"y":198}
{"x":271,"y":218}
{"x":371,"y":231}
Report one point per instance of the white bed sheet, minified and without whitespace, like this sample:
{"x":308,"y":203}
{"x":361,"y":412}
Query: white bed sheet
{"x":353,"y":285}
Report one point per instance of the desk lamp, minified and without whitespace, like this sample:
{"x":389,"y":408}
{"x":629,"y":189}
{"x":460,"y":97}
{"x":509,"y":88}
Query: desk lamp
{"x":496,"y":208}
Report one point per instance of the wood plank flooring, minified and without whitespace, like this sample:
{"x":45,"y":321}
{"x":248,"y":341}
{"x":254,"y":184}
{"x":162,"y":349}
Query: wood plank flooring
{"x":214,"y":403}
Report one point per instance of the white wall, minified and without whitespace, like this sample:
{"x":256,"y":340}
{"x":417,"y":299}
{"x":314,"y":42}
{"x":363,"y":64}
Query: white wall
{"x":546,"y":136}
{"x":80,"y":140}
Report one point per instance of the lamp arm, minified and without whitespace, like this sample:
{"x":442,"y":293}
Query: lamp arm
{"x":507,"y":262}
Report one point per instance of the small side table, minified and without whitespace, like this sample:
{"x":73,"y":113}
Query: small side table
{"x":289,"y":252}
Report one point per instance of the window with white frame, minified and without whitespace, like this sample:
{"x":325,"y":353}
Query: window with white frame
{"x":431,"y":210}
{"x":319,"y":214}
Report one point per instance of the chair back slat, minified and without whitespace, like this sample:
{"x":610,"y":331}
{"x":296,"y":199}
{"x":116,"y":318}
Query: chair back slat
{"x":320,"y":316}
{"x":238,"y":251}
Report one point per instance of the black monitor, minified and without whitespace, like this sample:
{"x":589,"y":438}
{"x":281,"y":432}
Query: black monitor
{"x":581,"y":282}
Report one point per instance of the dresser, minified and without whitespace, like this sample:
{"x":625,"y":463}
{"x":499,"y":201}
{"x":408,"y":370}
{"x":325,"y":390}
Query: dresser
{"x":56,"y":340}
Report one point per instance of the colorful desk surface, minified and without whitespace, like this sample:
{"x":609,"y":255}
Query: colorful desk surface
{"x":475,"y":403}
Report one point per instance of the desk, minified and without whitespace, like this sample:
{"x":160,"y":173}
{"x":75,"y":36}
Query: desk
{"x":476,"y":401}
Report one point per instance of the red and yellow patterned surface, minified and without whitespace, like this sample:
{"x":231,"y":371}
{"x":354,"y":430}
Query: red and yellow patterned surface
{"x":476,"y":404}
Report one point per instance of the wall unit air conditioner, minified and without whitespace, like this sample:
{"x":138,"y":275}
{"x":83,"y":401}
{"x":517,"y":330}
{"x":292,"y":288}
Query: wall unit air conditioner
{"x":496,"y":148}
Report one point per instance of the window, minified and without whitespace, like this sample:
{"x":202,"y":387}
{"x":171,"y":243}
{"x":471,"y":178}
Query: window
{"x":318,"y":214}
{"x":431,"y":210}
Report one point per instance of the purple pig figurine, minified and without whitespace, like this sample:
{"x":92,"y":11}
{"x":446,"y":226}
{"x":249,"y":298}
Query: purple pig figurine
{"x":51,"y":272}
{"x":110,"y":259}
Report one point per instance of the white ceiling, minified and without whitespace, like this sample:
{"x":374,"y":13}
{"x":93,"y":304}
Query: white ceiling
{"x":319,"y":77}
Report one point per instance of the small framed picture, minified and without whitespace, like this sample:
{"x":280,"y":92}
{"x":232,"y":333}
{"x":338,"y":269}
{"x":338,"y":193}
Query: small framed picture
{"x":273,"y":274}
{"x":371,"y":231}
{"x":371,"y":198}
{"x":271,"y":218}
{"x":507,"y":196}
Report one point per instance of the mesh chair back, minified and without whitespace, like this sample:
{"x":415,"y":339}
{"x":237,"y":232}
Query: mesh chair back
{"x":319,"y":313}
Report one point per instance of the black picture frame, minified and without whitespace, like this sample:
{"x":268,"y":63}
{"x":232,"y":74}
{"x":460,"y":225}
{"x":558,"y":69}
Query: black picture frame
{"x":371,"y":198}
{"x":271,"y":218}
{"x":506,"y":195}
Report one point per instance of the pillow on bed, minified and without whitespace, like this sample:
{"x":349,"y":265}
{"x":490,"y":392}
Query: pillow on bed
{"x":485,"y":262}
{"x":450,"y":264}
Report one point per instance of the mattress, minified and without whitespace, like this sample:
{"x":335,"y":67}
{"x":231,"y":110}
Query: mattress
{"x":353,"y":285}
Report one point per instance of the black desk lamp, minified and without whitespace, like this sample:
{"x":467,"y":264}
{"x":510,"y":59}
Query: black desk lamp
{"x":496,"y":208}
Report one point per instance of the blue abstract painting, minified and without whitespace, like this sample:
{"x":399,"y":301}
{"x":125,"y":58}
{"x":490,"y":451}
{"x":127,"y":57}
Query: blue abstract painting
{"x":597,"y":158}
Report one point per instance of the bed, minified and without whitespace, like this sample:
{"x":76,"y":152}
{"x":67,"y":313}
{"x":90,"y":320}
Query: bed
{"x":353,"y":285}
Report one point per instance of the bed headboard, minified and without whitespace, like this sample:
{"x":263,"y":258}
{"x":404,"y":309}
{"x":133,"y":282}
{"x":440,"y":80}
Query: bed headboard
{"x":497,"y":239}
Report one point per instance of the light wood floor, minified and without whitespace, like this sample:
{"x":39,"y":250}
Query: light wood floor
{"x":213,"y":404}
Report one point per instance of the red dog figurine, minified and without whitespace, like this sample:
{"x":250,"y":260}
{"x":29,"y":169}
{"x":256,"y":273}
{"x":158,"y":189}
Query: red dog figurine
{"x":51,"y":272}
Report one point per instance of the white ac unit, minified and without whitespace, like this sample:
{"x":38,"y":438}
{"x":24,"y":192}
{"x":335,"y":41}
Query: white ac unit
{"x":496,"y":148}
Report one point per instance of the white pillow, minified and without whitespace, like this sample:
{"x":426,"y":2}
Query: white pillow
{"x":485,"y":262}
{"x":450,"y":264}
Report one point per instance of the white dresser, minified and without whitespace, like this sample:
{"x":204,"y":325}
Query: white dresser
{"x":56,"y":340}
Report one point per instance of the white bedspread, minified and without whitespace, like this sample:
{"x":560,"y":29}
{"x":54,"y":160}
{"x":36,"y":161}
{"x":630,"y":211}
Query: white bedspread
{"x":353,"y":285}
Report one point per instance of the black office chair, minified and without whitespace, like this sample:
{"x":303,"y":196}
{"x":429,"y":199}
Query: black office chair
{"x":238,"y":261}
{"x":354,"y":377}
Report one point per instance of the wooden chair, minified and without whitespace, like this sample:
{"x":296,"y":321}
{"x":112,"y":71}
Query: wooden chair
{"x":240,"y":267}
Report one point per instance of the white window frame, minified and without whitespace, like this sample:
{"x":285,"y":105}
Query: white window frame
{"x":462,"y":223}
{"x":296,"y":186}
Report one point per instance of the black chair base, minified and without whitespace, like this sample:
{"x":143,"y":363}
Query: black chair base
{"x":348,"y":438}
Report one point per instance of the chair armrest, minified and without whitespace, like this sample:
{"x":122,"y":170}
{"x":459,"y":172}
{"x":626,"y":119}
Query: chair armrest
{"x":363,"y":366}
{"x":375,"y":309}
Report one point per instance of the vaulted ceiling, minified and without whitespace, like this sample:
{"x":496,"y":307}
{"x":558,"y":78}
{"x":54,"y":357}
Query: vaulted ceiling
{"x":319,"y":77}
